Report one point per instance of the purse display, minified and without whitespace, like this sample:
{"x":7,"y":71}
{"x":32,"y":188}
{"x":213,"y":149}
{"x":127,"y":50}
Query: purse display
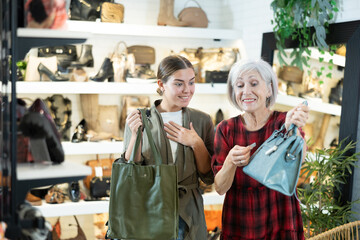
{"x":140,"y":189}
{"x":277,"y":162}
{"x":194,"y":16}
{"x":56,"y":232}
{"x":112,"y":12}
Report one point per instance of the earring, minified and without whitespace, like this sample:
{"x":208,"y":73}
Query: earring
{"x":267,"y":102}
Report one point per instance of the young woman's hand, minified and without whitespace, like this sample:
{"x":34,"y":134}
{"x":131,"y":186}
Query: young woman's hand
{"x":133,"y":120}
{"x":298,"y":116}
{"x":177,"y":133}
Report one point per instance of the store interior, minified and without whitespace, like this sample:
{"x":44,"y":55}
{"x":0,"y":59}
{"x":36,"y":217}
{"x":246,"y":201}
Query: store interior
{"x":89,"y":96}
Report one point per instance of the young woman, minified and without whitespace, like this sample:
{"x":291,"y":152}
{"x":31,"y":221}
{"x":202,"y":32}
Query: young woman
{"x":184,"y":136}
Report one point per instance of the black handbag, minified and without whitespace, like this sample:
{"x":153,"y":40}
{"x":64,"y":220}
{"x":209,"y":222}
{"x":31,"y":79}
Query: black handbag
{"x":64,"y":54}
{"x":100,"y":187}
{"x":216,"y":76}
{"x":85,"y":10}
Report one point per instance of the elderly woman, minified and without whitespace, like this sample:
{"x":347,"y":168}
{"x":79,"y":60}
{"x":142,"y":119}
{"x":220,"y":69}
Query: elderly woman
{"x":251,"y":210}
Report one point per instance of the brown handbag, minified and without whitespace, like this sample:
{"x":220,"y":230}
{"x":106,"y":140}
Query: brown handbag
{"x":112,"y":12}
{"x":105,"y":165}
{"x":56,"y":233}
{"x":143,"y":54}
{"x":194,"y":16}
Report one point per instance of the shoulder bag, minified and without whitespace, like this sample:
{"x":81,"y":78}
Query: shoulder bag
{"x":143,"y":198}
{"x":277,"y":162}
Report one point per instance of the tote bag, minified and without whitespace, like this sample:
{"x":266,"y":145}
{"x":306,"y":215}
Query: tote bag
{"x":277,"y":162}
{"x":143,"y":199}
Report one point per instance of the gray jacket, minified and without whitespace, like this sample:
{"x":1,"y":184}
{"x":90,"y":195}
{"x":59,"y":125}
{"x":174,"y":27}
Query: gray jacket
{"x":191,"y":207}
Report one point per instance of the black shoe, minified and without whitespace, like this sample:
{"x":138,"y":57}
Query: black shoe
{"x":80,"y":131}
{"x":42,"y":69}
{"x":74,"y":191}
{"x":86,"y":58}
{"x":106,"y":72}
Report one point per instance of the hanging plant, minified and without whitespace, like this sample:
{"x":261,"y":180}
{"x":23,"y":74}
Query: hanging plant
{"x":293,"y":19}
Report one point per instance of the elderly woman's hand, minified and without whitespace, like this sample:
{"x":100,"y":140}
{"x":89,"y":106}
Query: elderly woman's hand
{"x":133,"y":120}
{"x":298,"y":116}
{"x":239,"y":155}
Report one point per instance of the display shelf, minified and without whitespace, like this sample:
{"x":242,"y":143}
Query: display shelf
{"x":103,"y":147}
{"x":88,"y":29}
{"x":92,"y":207}
{"x":38,"y":171}
{"x":105,"y":88}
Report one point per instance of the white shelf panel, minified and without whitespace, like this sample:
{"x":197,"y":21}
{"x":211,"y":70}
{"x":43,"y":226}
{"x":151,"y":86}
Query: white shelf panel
{"x":314,"y":105}
{"x":105,"y":88}
{"x":34,"y":171}
{"x":87,"y":29}
{"x":92,"y":147}
{"x":93,"y":207}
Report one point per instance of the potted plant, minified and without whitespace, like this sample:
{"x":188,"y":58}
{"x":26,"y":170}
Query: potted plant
{"x":293,"y":20}
{"x":325,"y":172}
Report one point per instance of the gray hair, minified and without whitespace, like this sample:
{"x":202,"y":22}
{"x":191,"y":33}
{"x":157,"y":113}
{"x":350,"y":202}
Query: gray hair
{"x":265,"y":71}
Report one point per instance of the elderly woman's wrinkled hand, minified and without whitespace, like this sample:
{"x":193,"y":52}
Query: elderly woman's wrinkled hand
{"x":133,"y":120}
{"x":239,"y":155}
{"x":298,"y":116}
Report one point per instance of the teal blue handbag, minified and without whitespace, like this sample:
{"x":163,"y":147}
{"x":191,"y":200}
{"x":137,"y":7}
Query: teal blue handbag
{"x":143,"y":198}
{"x":277,"y":162}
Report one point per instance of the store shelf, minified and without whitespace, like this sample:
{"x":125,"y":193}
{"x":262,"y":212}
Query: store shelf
{"x":104,"y":147}
{"x":88,"y":29}
{"x":38,"y":171}
{"x":314,"y":105}
{"x":105,"y":88}
{"x":93,"y":207}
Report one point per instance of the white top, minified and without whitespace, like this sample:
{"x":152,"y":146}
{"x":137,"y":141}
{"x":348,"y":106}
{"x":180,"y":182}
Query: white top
{"x":177,"y":118}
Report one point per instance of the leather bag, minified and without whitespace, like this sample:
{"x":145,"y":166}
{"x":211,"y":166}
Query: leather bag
{"x":121,"y":61}
{"x":143,"y":54}
{"x":56,"y":233}
{"x":100,"y":187}
{"x":277,"y":162}
{"x":99,"y":168}
{"x":143,"y":198}
{"x":64,"y":54}
{"x":112,"y":12}
{"x":194,"y":16}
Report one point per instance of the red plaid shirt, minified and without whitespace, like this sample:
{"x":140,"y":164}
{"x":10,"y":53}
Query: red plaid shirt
{"x":250,"y":210}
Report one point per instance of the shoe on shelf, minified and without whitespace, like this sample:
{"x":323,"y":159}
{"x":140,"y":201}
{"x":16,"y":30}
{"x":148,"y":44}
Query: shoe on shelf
{"x":56,"y":77}
{"x":106,"y":72}
{"x":86,"y":58}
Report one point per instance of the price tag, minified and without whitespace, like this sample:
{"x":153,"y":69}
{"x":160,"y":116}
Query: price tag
{"x":98,"y":172}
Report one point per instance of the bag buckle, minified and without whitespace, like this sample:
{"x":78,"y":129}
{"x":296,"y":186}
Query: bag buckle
{"x":271,"y":150}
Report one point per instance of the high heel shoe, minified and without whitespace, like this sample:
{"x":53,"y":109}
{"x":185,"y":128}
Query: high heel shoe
{"x":106,"y":72}
{"x":80,"y":131}
{"x":86,"y":58}
{"x":42,"y":69}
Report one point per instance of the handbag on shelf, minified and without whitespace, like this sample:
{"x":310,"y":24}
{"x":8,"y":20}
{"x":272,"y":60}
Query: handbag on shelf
{"x":194,"y":16}
{"x":100,"y":187}
{"x":56,"y":232}
{"x":140,"y":189}
{"x":112,"y":12}
{"x":99,"y":168}
{"x":143,"y":54}
{"x":121,"y":61}
{"x":64,"y":54}
{"x":277,"y":162}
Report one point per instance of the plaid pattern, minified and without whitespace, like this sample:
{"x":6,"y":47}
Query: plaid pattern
{"x":250,"y":210}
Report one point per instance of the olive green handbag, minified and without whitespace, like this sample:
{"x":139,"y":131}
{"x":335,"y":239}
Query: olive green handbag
{"x":143,"y":198}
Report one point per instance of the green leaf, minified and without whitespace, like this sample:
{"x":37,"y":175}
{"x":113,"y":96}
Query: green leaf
{"x":329,"y":75}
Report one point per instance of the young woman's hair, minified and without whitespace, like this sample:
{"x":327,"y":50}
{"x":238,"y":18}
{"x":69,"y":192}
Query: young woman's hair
{"x":263,"y":68}
{"x":169,"y":65}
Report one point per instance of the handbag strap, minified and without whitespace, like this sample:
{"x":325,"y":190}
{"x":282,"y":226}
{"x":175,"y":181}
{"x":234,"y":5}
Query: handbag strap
{"x":155,"y":152}
{"x":192,"y":1}
{"x":120,"y":49}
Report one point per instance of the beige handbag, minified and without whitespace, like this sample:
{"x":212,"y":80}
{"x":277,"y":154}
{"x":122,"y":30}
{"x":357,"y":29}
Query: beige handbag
{"x":32,"y":73}
{"x":122,"y":62}
{"x":194,"y":16}
{"x":109,"y":120}
{"x":143,"y":54}
{"x":112,"y":12}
